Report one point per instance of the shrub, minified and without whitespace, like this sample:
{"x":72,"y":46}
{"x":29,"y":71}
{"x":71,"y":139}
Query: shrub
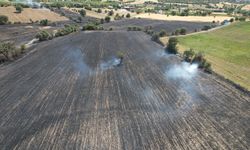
{"x":155,"y":37}
{"x":183,"y":31}
{"x":44,"y":22}
{"x":242,"y":19}
{"x":231,"y":20}
{"x":19,"y":8}
{"x":162,"y":33}
{"x":88,"y":7}
{"x":107,"y":19}
{"x":99,"y":10}
{"x":82,"y":12}
{"x":188,"y":55}
{"x":177,"y":32}
{"x":172,"y":46}
{"x":89,"y":26}
{"x":43,"y":36}
{"x":3,"y":19}
{"x":6,"y":49}
{"x":134,"y":28}
{"x":66,"y":30}
{"x":206,"y":27}
{"x":117,"y":17}
{"x":23,"y":47}
{"x":102,"y":21}
{"x":128,"y":15}
{"x":111,"y":13}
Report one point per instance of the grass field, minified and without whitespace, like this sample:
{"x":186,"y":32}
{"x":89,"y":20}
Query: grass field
{"x":228,"y":49}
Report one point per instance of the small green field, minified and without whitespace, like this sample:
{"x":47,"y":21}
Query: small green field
{"x":228,"y":49}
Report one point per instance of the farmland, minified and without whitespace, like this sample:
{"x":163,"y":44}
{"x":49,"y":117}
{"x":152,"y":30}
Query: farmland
{"x":30,"y":14}
{"x":169,"y":26}
{"x":183,"y":18}
{"x":64,"y":96}
{"x":227,"y":49}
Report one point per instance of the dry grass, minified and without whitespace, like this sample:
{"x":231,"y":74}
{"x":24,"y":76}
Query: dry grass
{"x":247,"y":7}
{"x":183,"y":18}
{"x":29,"y":13}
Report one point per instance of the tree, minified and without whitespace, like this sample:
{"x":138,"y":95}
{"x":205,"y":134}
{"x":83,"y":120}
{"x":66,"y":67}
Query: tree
{"x":19,"y":8}
{"x":128,"y":15}
{"x":107,"y":19}
{"x":172,"y":46}
{"x":3,"y":19}
{"x":82,"y":12}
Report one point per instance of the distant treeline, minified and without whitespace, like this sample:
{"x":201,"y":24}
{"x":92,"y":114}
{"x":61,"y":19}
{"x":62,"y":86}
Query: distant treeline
{"x":204,"y":1}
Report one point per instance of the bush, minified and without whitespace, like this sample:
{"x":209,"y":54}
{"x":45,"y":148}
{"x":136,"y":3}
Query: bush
{"x":231,"y":20}
{"x":89,"y":26}
{"x":188,"y":55}
{"x":107,"y":19}
{"x":134,"y":28}
{"x":23,"y":47}
{"x":44,"y":22}
{"x":155,"y":37}
{"x":206,"y":27}
{"x":183,"y":31}
{"x":6,"y":49}
{"x":111,"y":13}
{"x":162,"y":33}
{"x":242,"y":19}
{"x":102,"y":21}
{"x":3,"y":19}
{"x":19,"y":8}
{"x":99,"y":10}
{"x":82,"y":12}
{"x":128,"y":15}
{"x":177,"y":32}
{"x":43,"y":36}
{"x":88,"y":7}
{"x":172,"y":46}
{"x":66,"y":30}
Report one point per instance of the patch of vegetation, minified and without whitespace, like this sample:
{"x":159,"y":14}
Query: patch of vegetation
{"x":128,"y":15}
{"x":8,"y":51}
{"x":134,"y":28}
{"x":44,"y":22}
{"x":198,"y":58}
{"x":172,"y":46}
{"x":44,"y":36}
{"x":92,"y":26}
{"x":19,"y":8}
{"x":66,"y":30}
{"x":107,"y":19}
{"x":82,"y":12}
{"x":3,"y":19}
{"x":227,"y":49}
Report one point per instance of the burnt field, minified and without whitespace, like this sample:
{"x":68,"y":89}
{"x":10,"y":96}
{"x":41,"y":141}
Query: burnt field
{"x":66,"y":94}
{"x":158,"y":25}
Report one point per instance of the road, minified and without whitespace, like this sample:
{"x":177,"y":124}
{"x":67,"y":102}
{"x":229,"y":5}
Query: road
{"x":64,"y":95}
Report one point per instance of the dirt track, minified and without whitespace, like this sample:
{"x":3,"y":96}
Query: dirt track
{"x":60,"y":97}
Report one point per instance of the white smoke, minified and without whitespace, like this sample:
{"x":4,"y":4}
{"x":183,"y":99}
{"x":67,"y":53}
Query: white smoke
{"x":110,"y":64}
{"x":182,"y":71}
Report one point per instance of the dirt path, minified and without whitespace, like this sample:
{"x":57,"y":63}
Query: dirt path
{"x":62,"y":97}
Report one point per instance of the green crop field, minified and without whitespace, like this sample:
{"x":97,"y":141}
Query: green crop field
{"x":228,"y":49}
